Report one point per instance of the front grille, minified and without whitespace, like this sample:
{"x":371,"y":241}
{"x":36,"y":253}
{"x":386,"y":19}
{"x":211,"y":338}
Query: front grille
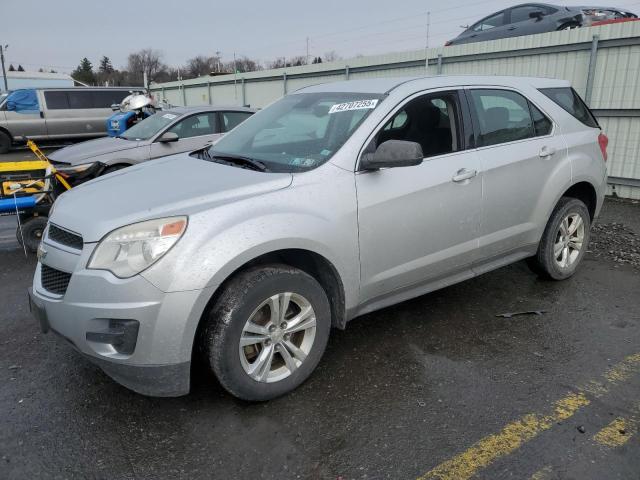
{"x":65,"y":237}
{"x":54,"y":280}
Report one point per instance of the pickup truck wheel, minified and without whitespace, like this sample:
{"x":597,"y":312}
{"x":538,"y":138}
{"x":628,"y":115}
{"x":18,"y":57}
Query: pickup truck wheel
{"x":267,"y":331}
{"x":5,"y":142}
{"x":564,"y":241}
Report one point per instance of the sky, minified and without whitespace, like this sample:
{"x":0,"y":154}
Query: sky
{"x":58,"y":34}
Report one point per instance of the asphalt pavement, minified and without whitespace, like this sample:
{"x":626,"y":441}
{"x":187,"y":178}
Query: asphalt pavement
{"x":436,"y":387}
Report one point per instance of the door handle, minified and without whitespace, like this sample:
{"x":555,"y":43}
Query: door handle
{"x":41,"y":114}
{"x":546,"y":152}
{"x":463,"y":174}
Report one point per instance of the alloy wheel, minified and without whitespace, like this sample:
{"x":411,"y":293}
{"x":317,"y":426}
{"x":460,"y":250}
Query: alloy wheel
{"x":277,"y":337}
{"x":569,"y":240}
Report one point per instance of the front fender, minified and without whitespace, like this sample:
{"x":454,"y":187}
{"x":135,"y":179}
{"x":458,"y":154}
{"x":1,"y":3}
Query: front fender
{"x":220,"y":241}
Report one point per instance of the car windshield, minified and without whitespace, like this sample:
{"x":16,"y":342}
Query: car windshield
{"x":148,"y":127}
{"x":298,"y":132}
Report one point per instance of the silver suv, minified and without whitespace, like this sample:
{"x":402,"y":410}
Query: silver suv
{"x":335,"y":201}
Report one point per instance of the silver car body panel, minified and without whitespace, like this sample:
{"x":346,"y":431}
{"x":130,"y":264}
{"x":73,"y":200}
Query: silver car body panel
{"x":119,"y":151}
{"x":390,"y":234}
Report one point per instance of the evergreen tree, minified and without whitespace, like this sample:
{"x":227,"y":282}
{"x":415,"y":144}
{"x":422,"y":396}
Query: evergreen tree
{"x":20,"y":69}
{"x":11,"y":68}
{"x":84,"y":72}
{"x":105,"y":65}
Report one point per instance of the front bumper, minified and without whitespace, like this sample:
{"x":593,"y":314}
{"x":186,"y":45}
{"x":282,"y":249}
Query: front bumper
{"x":95,"y":312}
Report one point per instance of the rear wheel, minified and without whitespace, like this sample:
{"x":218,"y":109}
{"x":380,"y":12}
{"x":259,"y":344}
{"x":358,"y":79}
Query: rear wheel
{"x":564,"y":241}
{"x":32,"y":231}
{"x":5,"y":142}
{"x":267,"y":332}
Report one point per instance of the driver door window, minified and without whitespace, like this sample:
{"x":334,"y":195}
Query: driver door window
{"x":489,"y":23}
{"x":432,"y":121}
{"x":195,"y":126}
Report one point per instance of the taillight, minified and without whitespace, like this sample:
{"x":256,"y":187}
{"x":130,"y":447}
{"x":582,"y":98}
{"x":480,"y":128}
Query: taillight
{"x":603,"y":141}
{"x":447,"y":43}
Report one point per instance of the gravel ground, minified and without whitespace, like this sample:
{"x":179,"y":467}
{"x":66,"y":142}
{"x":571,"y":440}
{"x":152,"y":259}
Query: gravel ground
{"x":617,"y":240}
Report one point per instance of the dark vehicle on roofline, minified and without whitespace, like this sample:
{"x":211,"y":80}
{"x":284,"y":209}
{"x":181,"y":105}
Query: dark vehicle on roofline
{"x":532,"y":18}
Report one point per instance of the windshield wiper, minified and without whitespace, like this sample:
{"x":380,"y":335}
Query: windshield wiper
{"x":239,"y":160}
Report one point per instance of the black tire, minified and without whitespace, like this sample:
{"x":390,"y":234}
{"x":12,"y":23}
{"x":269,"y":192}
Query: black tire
{"x":227,"y":318}
{"x":5,"y":142}
{"x":32,"y":231}
{"x":544,"y":262}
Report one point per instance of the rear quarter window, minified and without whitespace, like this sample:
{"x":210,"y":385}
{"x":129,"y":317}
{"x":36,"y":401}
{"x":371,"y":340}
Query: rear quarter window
{"x":569,"y":100}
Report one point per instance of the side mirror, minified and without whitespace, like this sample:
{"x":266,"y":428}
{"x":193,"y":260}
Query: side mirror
{"x":168,"y":137}
{"x":537,"y":14}
{"x":393,"y":153}
{"x":11,"y":106}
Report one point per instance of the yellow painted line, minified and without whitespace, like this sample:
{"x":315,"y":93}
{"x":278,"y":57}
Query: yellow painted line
{"x":492,"y":447}
{"x":616,"y":434}
{"x":509,"y":439}
{"x":542,"y":474}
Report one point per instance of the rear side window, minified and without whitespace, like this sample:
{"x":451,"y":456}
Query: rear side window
{"x":80,"y":99}
{"x":570,"y":101}
{"x":56,"y":100}
{"x":501,"y":116}
{"x":231,"y":120}
{"x":106,"y":98}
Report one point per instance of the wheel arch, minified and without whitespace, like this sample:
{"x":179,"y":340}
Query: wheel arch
{"x":4,"y":130}
{"x":310,"y":262}
{"x":586,"y":193}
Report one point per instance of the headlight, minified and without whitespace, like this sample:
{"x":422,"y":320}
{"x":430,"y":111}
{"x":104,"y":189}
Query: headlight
{"x":71,"y":169}
{"x":129,"y":250}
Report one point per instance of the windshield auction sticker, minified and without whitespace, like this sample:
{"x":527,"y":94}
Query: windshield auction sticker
{"x":356,"y":105}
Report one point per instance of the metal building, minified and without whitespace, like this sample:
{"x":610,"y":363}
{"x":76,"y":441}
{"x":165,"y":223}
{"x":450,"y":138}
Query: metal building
{"x":602,"y":63}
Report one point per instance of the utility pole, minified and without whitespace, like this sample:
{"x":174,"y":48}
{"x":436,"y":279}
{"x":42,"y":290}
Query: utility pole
{"x":428,"y":26}
{"x":308,"y":51}
{"x":235,"y":77}
{"x":4,"y":72}
{"x":218,"y":53}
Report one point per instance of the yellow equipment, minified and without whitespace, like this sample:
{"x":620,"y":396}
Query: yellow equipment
{"x":28,"y":190}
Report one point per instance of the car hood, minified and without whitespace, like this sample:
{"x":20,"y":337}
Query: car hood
{"x":80,"y":152}
{"x":176,"y":185}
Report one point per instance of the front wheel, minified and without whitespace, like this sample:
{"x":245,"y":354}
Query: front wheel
{"x":267,"y":331}
{"x":564,"y":241}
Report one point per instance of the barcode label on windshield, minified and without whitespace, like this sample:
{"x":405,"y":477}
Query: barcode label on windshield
{"x":356,"y":105}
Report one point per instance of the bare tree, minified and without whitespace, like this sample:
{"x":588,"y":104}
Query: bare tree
{"x":201,"y":65}
{"x":331,"y":56}
{"x":279,"y":62}
{"x":243,"y":64}
{"x":147,"y":61}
